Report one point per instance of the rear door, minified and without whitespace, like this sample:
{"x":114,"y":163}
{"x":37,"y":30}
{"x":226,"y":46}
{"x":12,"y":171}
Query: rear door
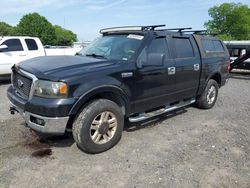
{"x":34,"y":47}
{"x":12,"y":55}
{"x":187,"y":65}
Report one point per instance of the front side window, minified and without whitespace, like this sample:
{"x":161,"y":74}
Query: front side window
{"x":157,"y":47}
{"x":183,"y":48}
{"x":13,"y":45}
{"x":114,"y":47}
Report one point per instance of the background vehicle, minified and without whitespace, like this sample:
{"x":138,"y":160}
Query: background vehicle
{"x":16,"y":49}
{"x":130,"y":72}
{"x":240,"y":54}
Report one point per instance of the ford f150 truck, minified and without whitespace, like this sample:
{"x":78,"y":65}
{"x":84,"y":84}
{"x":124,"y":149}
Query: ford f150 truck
{"x":132,"y":73}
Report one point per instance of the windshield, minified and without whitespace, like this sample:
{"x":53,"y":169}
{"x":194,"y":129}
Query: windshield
{"x":113,"y":47}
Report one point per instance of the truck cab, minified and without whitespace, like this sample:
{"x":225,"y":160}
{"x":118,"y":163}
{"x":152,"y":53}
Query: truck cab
{"x":16,"y":49}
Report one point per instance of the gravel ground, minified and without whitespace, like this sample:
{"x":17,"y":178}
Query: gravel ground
{"x":188,"y":148}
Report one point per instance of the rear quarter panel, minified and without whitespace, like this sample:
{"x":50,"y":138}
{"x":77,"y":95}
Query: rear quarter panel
{"x":212,"y":63}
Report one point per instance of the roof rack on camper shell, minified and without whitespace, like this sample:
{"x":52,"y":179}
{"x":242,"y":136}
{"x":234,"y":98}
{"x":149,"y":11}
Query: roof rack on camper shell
{"x":151,"y":28}
{"x":130,"y":28}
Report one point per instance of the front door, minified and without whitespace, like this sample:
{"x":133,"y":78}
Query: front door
{"x":12,"y":55}
{"x":152,"y":85}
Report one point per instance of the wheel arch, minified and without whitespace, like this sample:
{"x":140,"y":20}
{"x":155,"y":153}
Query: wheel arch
{"x":217,"y":77}
{"x":112,"y":93}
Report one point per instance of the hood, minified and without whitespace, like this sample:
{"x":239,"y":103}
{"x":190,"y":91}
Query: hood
{"x":60,"y":67}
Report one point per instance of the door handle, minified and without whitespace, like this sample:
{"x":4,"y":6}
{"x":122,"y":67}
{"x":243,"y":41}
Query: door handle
{"x":22,"y":55}
{"x":171,"y":70}
{"x":196,"y":67}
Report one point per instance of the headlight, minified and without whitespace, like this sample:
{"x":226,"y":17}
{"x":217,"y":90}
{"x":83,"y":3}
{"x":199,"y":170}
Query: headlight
{"x":49,"y":89}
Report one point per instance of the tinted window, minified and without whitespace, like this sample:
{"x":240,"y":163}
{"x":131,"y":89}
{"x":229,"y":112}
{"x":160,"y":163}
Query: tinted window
{"x":31,"y":44}
{"x":183,"y":48}
{"x":218,"y":46}
{"x":157,"y":46}
{"x":13,"y":45}
{"x":212,"y":45}
{"x":208,"y":45}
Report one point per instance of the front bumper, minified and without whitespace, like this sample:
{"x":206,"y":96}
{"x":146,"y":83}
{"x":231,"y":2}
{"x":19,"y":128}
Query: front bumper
{"x":48,"y":125}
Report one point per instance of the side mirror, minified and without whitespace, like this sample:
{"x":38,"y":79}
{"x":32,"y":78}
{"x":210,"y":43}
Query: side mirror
{"x":3,"y":47}
{"x":154,"y":59}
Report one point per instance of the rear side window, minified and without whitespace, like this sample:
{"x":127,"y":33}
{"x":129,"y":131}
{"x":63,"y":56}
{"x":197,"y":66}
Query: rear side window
{"x":183,"y":48}
{"x":212,"y":45}
{"x":218,"y":46}
{"x":31,"y":44}
{"x":13,"y":45}
{"x":208,"y":45}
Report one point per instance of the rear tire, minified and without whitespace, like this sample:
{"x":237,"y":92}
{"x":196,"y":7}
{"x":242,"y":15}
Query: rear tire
{"x":99,"y":126}
{"x":209,"y":95}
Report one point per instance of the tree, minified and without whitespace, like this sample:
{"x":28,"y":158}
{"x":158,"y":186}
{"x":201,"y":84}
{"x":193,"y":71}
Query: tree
{"x":37,"y":26}
{"x":64,"y":37}
{"x":230,"y":20}
{"x":6,"y":29}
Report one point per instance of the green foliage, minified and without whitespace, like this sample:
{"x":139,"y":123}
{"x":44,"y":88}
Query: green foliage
{"x":64,"y":37}
{"x":230,"y":20}
{"x":6,"y":29}
{"x":37,"y":26}
{"x":34,"y":25}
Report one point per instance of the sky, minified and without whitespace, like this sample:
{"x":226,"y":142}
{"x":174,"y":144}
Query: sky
{"x":86,"y":17}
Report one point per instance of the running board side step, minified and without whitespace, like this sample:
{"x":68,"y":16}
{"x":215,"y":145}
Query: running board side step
{"x":144,"y":116}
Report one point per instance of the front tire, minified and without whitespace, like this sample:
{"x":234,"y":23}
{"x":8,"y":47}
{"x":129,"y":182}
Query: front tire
{"x":99,"y":126}
{"x":209,"y":95}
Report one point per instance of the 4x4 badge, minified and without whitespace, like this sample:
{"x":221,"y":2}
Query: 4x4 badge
{"x":20,"y":83}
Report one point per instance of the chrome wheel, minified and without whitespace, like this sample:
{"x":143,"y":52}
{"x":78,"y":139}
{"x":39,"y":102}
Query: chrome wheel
{"x":103,"y":127}
{"x":211,"y":95}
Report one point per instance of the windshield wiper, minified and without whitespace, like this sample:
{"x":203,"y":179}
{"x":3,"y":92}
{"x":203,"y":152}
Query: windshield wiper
{"x":96,"y":55}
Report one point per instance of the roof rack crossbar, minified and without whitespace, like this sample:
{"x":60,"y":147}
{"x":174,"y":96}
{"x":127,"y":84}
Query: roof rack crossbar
{"x":152,"y":27}
{"x":179,"y":29}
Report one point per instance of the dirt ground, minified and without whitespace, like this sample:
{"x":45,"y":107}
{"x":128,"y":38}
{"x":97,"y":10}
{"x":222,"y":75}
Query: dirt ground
{"x":188,"y":148}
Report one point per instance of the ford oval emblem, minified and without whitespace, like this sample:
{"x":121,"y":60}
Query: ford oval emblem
{"x":20,"y":83}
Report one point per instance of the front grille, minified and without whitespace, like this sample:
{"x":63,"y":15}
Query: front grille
{"x":21,"y":83}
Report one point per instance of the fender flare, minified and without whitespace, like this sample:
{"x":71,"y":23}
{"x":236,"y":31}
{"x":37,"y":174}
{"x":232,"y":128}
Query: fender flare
{"x":201,"y":89}
{"x":98,"y":90}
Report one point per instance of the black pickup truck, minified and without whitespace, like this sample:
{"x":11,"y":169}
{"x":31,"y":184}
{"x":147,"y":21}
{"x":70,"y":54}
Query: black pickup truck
{"x":131,"y":73}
